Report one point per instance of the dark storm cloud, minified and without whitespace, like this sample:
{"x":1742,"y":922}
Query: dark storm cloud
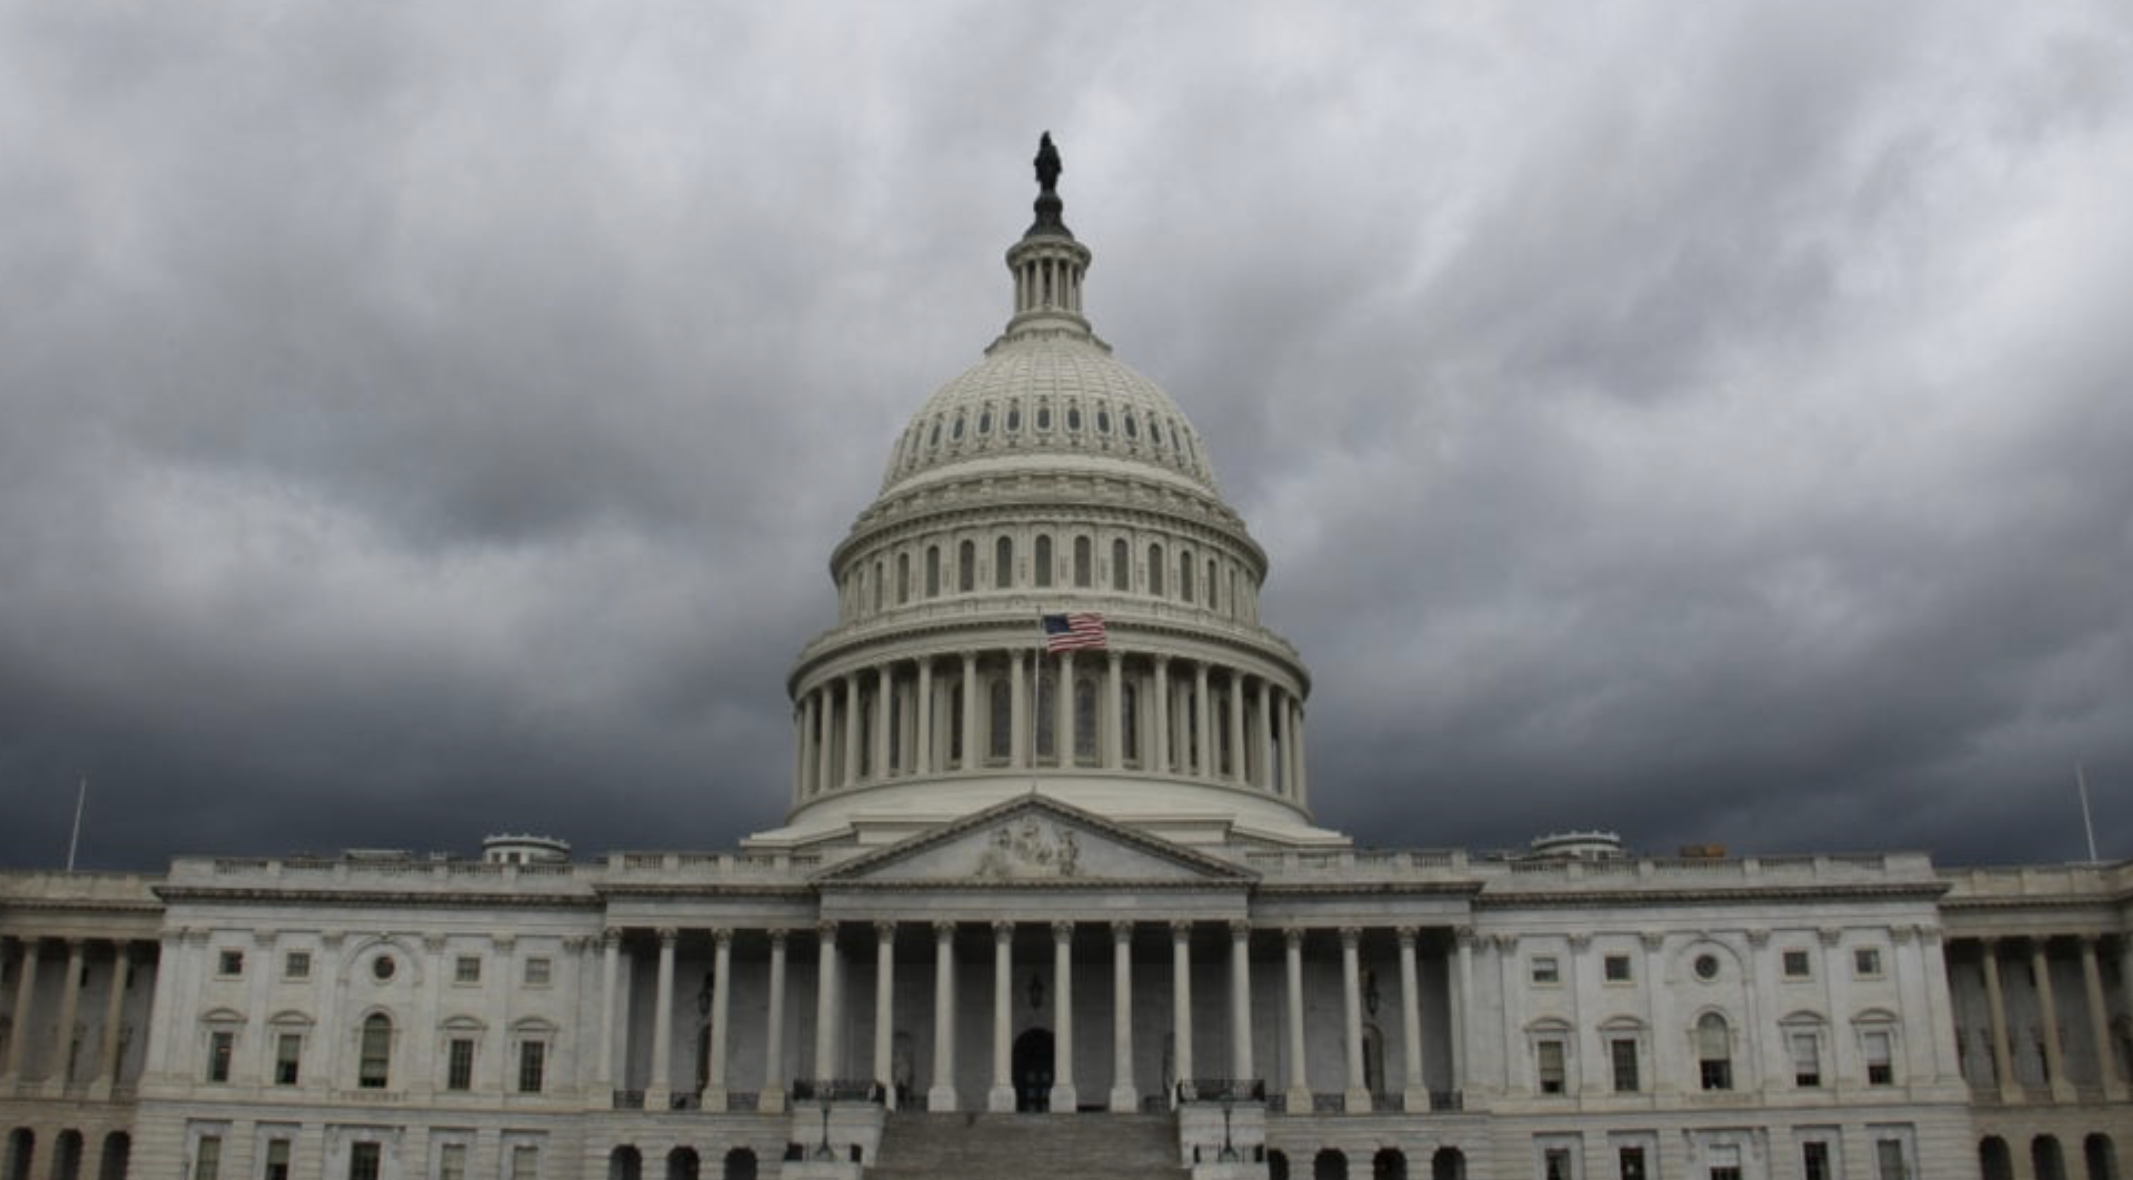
{"x":1705,"y":424}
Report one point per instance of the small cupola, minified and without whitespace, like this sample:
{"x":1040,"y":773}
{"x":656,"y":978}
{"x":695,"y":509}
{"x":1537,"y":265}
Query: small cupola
{"x":1048,"y":264}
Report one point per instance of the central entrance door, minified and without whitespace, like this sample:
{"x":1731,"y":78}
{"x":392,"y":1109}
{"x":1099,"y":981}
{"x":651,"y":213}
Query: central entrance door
{"x":1033,"y":1070}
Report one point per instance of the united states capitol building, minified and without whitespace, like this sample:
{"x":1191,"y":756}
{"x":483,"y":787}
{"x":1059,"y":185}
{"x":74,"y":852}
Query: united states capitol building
{"x":1056,"y":905}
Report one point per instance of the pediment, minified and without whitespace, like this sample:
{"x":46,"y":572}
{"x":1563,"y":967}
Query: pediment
{"x":1035,"y":841}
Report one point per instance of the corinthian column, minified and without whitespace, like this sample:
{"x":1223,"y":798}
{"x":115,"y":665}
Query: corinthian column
{"x":1063,"y":1096}
{"x":1124,"y":1098}
{"x":1416,"y":1097}
{"x":921,"y":757}
{"x":826,"y":1002}
{"x":1181,"y":983}
{"x":773,"y":1096}
{"x":942,"y":1096}
{"x":721,"y":1018}
{"x":657,"y":1091}
{"x":1002,"y":1097}
{"x":885,"y":1009}
{"x":1357,"y":1098}
{"x":1240,"y":1001}
{"x":1158,"y":760}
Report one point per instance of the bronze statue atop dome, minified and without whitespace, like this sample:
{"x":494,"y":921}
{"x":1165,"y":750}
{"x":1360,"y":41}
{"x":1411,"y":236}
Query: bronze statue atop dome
{"x":1049,"y":206}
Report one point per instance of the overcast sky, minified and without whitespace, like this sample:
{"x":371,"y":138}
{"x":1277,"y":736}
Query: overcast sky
{"x":1709,"y":422}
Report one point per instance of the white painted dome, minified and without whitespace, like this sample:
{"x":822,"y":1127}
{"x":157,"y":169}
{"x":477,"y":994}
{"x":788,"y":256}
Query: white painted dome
{"x":1049,"y":392}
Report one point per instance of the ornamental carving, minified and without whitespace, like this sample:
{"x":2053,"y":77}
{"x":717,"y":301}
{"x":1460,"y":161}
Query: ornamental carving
{"x":1030,"y":849}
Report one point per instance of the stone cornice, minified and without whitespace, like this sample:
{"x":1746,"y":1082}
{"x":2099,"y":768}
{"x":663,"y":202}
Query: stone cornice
{"x":1588,"y":899}
{"x":1276,"y":889}
{"x":1213,"y":870}
{"x":175,"y":894}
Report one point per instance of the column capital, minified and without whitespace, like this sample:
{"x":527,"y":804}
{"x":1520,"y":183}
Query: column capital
{"x":1002,"y":931}
{"x":722,"y":936}
{"x":1407,"y":936}
{"x":1654,"y":940}
{"x":1162,"y":660}
{"x":885,"y":930}
{"x":1904,"y":934}
{"x":1063,"y":931}
{"x":1759,"y":937}
{"x":1465,"y":936}
{"x":1505,"y":944}
{"x":1180,"y":929}
{"x":1122,"y":930}
{"x":1239,"y":929}
{"x":944,"y":931}
{"x":432,"y":941}
{"x":1293,"y":936}
{"x":968,"y":656}
{"x":826,"y":930}
{"x":668,"y":935}
{"x":1350,"y":936}
{"x":1115,"y":656}
{"x":1829,"y":935}
{"x":610,"y":936}
{"x":778,"y":935}
{"x":1579,"y":941}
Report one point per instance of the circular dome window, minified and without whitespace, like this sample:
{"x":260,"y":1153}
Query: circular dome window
{"x":1706,"y":967}
{"x":383,"y":968}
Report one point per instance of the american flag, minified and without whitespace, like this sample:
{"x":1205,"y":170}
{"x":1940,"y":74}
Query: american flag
{"x":1072,"y":632}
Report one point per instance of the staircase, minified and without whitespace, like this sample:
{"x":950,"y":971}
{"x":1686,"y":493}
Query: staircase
{"x":916,"y":1146}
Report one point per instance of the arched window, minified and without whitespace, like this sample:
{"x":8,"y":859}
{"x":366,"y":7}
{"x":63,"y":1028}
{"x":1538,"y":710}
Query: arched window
{"x":1121,"y":565}
{"x":1084,"y":719}
{"x":1212,"y":601}
{"x":1003,"y":563}
{"x":625,"y":1163}
{"x":1714,"y":1052}
{"x":1390,"y":1163}
{"x":933,"y":571}
{"x":2046,"y":1162}
{"x":118,"y":1152}
{"x":1129,"y":722}
{"x":375,"y":1056}
{"x":1448,"y":1164}
{"x":682,"y":1164}
{"x":1994,"y":1161}
{"x":1001,"y":720}
{"x":1084,"y":563}
{"x":1155,"y":570}
{"x":1329,"y":1164}
{"x":740,"y":1164}
{"x":1043,"y":559}
{"x":1185,"y":575}
{"x":903,"y":578}
{"x":1277,"y":1162}
{"x":880,"y":580}
{"x":66,"y":1155}
{"x":21,"y":1147}
{"x":2100,"y":1156}
{"x":966,"y":566}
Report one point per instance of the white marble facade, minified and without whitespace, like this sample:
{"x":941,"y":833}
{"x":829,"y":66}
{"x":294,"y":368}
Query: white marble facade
{"x":1086,"y":883}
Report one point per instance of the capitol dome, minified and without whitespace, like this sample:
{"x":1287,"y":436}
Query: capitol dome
{"x":1049,"y":481}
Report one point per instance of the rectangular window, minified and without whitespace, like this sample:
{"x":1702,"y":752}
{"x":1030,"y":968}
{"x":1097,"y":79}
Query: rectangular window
{"x":1555,"y":1164}
{"x":1631,"y":1161}
{"x":459,"y":1064}
{"x":220,"y":1047}
{"x":1725,"y":1172}
{"x":537,"y":972}
{"x":1549,"y":1066}
{"x":1880,"y":1059}
{"x":288,"y":1058}
{"x":1616,"y":970}
{"x":296,"y":965}
{"x":1798,"y":965}
{"x":525,"y":1162}
{"x":466,"y":969}
{"x":1806,"y":1058}
{"x":532,"y":1061}
{"x":1866,"y":962}
{"x":277,"y":1166}
{"x":207,"y":1157}
{"x":229,"y":962}
{"x":1622,"y":1055}
{"x":1888,"y":1159}
{"x":1814,"y":1160}
{"x":452,"y":1162}
{"x":1546,"y":969}
{"x":1716,"y":1075}
{"x":363,"y":1161}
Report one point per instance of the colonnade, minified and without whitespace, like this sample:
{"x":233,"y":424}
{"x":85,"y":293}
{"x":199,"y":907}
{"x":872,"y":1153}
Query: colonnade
{"x":1007,"y":710}
{"x":58,"y":1066}
{"x":1995,"y":955}
{"x":1123,"y":1091}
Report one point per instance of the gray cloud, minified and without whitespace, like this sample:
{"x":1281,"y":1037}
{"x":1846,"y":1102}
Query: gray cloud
{"x":1706,"y":424}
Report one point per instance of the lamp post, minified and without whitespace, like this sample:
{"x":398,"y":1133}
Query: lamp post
{"x":823,"y":1151}
{"x":1229,"y":1148}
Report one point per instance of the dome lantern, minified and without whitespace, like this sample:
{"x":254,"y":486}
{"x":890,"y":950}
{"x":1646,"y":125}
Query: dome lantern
{"x":1048,"y":264}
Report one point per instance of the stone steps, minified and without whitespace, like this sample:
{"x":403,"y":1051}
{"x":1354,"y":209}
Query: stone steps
{"x":918,"y":1146}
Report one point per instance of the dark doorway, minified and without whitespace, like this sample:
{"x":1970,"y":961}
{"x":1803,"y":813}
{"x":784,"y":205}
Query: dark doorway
{"x":1033,"y":1070}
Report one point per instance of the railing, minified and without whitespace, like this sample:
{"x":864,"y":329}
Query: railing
{"x":1447,"y":1100}
{"x":685,"y":1100}
{"x":1222,"y":1090}
{"x":836,"y":1090}
{"x":629,"y":1100}
{"x":743,"y":1100}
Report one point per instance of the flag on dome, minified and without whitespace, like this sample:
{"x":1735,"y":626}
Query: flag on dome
{"x":1073,"y":632}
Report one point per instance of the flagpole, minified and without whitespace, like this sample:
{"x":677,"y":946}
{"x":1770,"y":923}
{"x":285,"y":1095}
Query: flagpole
{"x":81,"y":798}
{"x":2087,"y":826}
